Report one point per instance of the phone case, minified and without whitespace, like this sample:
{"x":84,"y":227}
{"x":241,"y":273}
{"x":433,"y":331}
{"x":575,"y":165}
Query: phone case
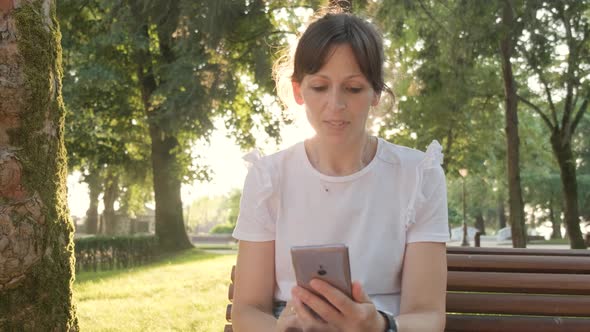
{"x":326,"y":262}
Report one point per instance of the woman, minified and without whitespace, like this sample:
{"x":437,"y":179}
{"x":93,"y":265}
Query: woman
{"x":387,"y":203}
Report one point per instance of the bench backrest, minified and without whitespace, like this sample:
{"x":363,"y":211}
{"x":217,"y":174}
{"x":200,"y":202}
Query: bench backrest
{"x":540,"y":290}
{"x":510,"y":290}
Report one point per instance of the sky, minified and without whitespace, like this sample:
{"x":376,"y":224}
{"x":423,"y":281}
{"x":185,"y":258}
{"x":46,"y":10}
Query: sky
{"x":222,"y":155}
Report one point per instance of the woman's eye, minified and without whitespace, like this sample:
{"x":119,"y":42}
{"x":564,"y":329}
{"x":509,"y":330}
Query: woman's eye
{"x":319,"y":88}
{"x":354,"y":89}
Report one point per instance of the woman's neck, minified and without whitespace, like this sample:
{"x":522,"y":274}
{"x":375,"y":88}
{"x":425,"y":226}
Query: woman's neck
{"x":340,"y":160}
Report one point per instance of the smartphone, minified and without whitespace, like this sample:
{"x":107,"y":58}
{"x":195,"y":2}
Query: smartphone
{"x":326,"y":262}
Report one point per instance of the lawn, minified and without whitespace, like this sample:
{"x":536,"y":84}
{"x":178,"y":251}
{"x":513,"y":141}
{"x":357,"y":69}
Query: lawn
{"x":183,"y":292}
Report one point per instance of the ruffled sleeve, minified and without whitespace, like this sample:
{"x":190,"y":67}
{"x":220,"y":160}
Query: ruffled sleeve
{"x":256,"y":220}
{"x":427,"y":212}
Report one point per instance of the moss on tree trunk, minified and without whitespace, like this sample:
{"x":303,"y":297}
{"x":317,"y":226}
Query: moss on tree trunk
{"x":36,"y":233}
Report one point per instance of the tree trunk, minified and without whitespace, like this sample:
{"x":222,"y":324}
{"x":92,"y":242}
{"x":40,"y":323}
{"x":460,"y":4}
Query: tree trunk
{"x":567,"y":165}
{"x":169,"y":220}
{"x":36,"y":247}
{"x":515,"y":204}
{"x":501,"y":213}
{"x":170,"y":228}
{"x":111,"y":193}
{"x":555,"y":225}
{"x":94,"y":189}
{"x":480,"y":223}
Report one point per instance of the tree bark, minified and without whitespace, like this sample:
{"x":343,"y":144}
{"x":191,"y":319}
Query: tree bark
{"x":515,"y":203}
{"x":567,"y":166}
{"x":555,"y":225}
{"x":36,"y":233}
{"x":169,"y":220}
{"x":501,"y":213}
{"x":111,"y":193}
{"x":480,"y":223}
{"x":94,"y":190}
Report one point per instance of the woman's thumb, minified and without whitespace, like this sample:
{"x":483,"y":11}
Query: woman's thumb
{"x":358,"y":294}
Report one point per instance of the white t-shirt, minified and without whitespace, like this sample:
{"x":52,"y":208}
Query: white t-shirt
{"x":398,"y":198}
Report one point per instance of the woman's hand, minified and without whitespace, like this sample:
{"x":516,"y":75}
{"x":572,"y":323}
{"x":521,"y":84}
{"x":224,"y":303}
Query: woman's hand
{"x":340,"y":314}
{"x":288,"y":321}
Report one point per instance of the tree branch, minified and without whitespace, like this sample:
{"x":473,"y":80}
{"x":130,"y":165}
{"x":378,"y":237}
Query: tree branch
{"x":540,"y":112}
{"x":431,"y":17}
{"x":568,"y":107}
{"x":259,"y":34}
{"x":580,"y":114}
{"x":539,"y":73}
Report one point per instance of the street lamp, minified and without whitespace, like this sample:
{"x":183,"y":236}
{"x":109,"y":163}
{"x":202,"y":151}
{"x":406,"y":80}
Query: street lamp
{"x":464,"y":241}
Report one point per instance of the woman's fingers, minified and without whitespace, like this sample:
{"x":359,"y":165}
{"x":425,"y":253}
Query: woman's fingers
{"x":306,"y":318}
{"x":336,"y":309}
{"x":343,"y":304}
{"x":358,"y":294}
{"x":288,"y":320}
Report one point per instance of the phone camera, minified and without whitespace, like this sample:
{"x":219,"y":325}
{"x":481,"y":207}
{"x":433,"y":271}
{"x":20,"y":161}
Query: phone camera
{"x":321,"y":271}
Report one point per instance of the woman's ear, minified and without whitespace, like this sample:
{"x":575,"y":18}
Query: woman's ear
{"x":297,"y":92}
{"x":376,"y":98}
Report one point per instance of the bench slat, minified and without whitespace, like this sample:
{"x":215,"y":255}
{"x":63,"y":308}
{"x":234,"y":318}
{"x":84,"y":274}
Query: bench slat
{"x":519,"y":304}
{"x":535,"y":283}
{"x":482,"y":323}
{"x":230,"y":292}
{"x":518,"y":251}
{"x":519,"y":263}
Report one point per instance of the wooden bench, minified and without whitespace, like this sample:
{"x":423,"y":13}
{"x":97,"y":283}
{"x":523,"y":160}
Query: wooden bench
{"x":512,"y":290}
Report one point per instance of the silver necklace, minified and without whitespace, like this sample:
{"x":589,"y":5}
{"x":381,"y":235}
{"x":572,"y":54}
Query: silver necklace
{"x":364,"y":160}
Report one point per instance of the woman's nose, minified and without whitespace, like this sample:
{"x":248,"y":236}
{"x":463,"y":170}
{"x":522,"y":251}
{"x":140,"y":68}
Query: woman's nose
{"x":337,"y":100}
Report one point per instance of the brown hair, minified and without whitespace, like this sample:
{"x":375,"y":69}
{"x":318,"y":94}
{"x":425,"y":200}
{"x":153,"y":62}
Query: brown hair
{"x":316,"y":46}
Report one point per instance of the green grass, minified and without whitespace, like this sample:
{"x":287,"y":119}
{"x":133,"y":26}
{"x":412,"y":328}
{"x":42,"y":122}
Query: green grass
{"x":551,"y":241}
{"x":215,"y":246}
{"x":182,"y":292}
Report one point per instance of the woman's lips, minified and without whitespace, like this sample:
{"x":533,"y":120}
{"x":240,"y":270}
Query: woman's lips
{"x":336,"y":124}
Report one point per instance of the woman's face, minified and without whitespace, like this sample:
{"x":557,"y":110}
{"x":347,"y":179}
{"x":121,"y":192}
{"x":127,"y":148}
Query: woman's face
{"x":337,"y":98}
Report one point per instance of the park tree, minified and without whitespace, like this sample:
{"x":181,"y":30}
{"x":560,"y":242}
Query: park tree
{"x":509,"y":34}
{"x":36,"y":233}
{"x":582,"y":146}
{"x":105,"y":137}
{"x":446,"y":60}
{"x":556,"y":59}
{"x":539,"y":49}
{"x":182,"y":69}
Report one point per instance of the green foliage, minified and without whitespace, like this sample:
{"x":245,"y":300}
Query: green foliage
{"x":208,"y":211}
{"x":223,"y":229}
{"x":204,"y":212}
{"x":106,"y":253}
{"x":232,"y":206}
{"x":104,"y":128}
{"x":446,"y":89}
{"x":176,"y":69}
{"x":445,"y":70}
{"x":455,"y":217}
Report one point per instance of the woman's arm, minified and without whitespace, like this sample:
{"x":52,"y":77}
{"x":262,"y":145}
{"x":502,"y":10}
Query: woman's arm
{"x":254,"y":287}
{"x":424,"y":283}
